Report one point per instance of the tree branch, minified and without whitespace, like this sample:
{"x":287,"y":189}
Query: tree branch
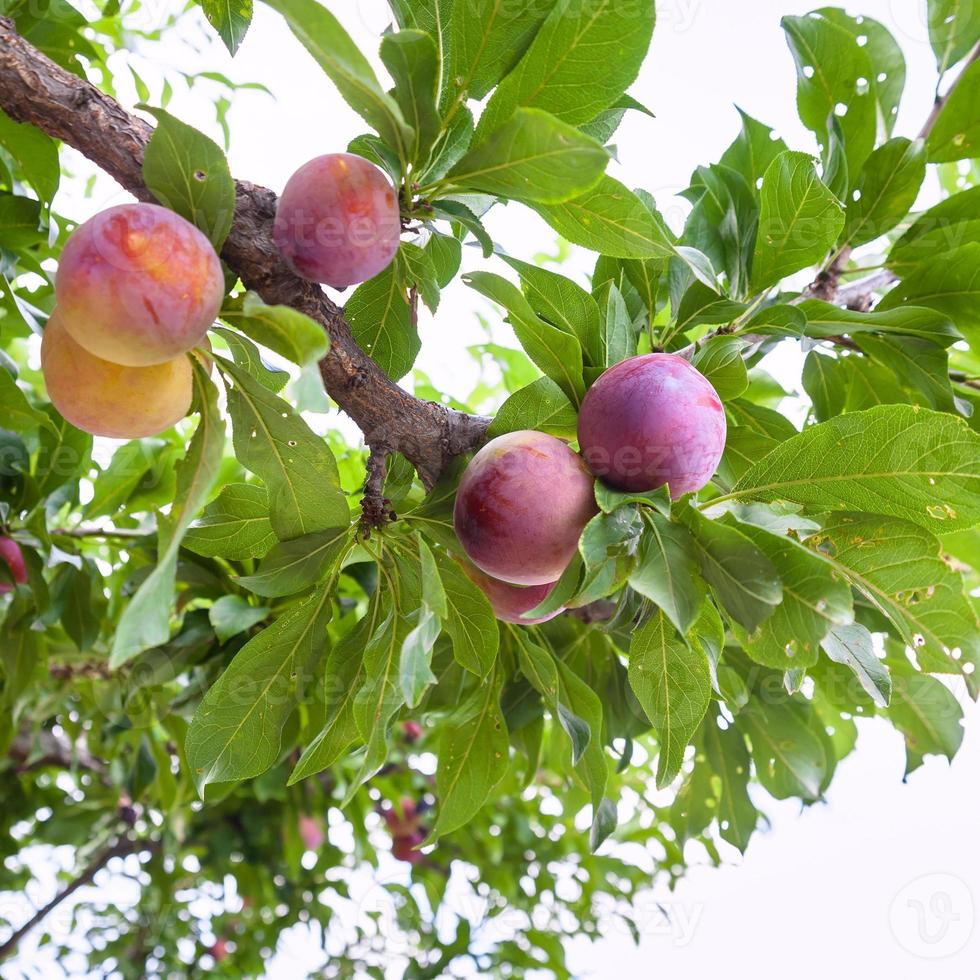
{"x":35,"y":90}
{"x":121,"y":848}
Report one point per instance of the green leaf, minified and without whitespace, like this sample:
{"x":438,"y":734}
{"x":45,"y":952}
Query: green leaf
{"x":188,"y":173}
{"x":533,"y":157}
{"x":893,"y":460}
{"x":799,"y":222}
{"x":720,"y":361}
{"x":925,"y":712}
{"x":16,"y":411}
{"x":729,"y":758}
{"x":943,"y":228}
{"x":298,"y":469}
{"x":853,"y":646}
{"x":885,"y":190}
{"x":474,"y":754}
{"x":35,"y":153}
{"x":558,"y":354}
{"x":63,"y":455}
{"x":249,"y":357}
{"x":235,"y":525}
{"x":445,"y":253}
{"x":826,"y":320}
{"x":954,"y":26}
{"x":582,"y":60}
{"x":918,"y":363}
{"x":296,"y":565}
{"x":334,"y":51}
{"x":886,"y":59}
{"x":742,"y":577}
{"x":71,"y":592}
{"x":612,"y":220}
{"x":120,"y":479}
{"x":470,"y":621}
{"x":610,"y":500}
{"x":671,"y":683}
{"x":415,"y":270}
{"x":145,"y":622}
{"x":230,"y":18}
{"x":667,"y":571}
{"x":415,"y":663}
{"x":234,"y":614}
{"x":815,"y":600}
{"x":486,"y":40}
{"x":753,"y":150}
{"x":541,"y":405}
{"x":790,"y":759}
{"x":899,"y":569}
{"x":832,"y":70}
{"x":381,"y":321}
{"x":824,"y":382}
{"x":236,"y":732}
{"x":282,"y":329}
{"x":618,"y":340}
{"x":564,"y":303}
{"x":413,"y":61}
{"x":950,"y":284}
{"x":956,"y":133}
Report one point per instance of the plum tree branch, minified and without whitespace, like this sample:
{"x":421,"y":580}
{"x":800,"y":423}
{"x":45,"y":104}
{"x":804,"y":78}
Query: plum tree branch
{"x":33,"y":89}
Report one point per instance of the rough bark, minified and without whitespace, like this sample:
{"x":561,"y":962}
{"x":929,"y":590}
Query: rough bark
{"x":34,"y":89}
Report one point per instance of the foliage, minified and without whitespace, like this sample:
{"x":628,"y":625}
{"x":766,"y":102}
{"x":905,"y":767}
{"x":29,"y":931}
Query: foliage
{"x":205,"y":619}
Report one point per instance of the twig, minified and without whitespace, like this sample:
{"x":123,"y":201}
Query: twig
{"x":376,"y":509}
{"x":121,"y":848}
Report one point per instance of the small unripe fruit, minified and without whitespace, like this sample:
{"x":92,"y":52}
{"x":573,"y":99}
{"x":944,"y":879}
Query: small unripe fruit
{"x":521,"y":506}
{"x":510,"y":602}
{"x":652,"y":420}
{"x":338,"y":221}
{"x":109,"y":399}
{"x":404,"y":848}
{"x":138,"y":285}
{"x":13,"y":558}
{"x":412,"y":731}
{"x":311,"y":832}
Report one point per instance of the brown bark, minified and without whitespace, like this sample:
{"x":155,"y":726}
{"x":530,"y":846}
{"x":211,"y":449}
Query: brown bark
{"x":34,"y":89}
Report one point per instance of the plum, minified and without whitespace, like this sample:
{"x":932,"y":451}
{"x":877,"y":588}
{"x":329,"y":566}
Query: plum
{"x":13,"y":558}
{"x":338,"y":221}
{"x":521,"y":506}
{"x":510,"y":602}
{"x":651,"y":420}
{"x":109,"y":399}
{"x":138,"y":285}
{"x":404,"y":848}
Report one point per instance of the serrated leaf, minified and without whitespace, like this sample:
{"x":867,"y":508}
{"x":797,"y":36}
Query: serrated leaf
{"x":533,"y":157}
{"x":16,"y":411}
{"x":234,"y":614}
{"x":188,"y":173}
{"x":582,"y":59}
{"x":295,"y":565}
{"x":298,"y":469}
{"x":230,"y":18}
{"x":35,"y":152}
{"x":816,"y":598}
{"x":145,"y":622}
{"x":235,"y":525}
{"x":751,"y":152}
{"x":954,"y":26}
{"x":942,"y":228}
{"x":381,"y":321}
{"x":853,"y":646}
{"x":799,"y":221}
{"x":956,"y":133}
{"x":671,"y":683}
{"x":893,"y":460}
{"x":542,"y":406}
{"x":470,"y":621}
{"x":473,"y":757}
{"x":282,"y":329}
{"x":413,"y":61}
{"x":826,"y":320}
{"x":720,"y":361}
{"x":612,"y":220}
{"x":237,"y":730}
{"x":885,"y":190}
{"x":667,"y":571}
{"x":898,"y":568}
{"x":743,"y":578}
{"x":729,"y":758}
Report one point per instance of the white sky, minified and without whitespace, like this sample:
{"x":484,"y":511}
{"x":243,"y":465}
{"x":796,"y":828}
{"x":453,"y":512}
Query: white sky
{"x":813,"y":896}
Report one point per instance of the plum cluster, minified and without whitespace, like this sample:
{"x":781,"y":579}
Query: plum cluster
{"x":525,"y":498}
{"x":137,"y":288}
